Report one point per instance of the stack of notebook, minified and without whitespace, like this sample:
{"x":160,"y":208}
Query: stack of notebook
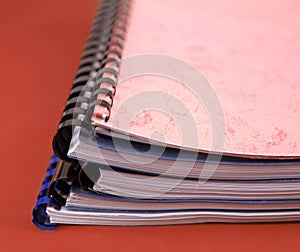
{"x":180,"y":112}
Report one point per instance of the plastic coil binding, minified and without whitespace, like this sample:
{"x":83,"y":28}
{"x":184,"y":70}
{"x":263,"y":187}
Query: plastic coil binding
{"x":39,"y":216}
{"x":65,"y":176}
{"x":94,"y":85}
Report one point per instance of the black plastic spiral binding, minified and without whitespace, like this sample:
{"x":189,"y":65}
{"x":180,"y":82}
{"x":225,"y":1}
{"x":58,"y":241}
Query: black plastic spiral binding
{"x":96,"y":78}
{"x":66,"y":174}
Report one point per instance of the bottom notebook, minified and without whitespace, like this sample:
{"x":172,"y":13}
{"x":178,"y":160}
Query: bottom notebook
{"x":265,"y":201}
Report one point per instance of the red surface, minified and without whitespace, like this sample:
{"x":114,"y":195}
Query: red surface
{"x":40,"y":46}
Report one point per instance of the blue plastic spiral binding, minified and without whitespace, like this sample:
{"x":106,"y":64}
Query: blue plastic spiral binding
{"x":39,"y":216}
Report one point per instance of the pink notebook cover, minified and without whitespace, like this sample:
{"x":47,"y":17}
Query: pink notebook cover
{"x":249,"y":52}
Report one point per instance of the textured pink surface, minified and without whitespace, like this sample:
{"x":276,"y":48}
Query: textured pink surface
{"x":248,"y":50}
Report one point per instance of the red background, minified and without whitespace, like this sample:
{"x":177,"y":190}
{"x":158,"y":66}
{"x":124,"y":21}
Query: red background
{"x":40,"y":45}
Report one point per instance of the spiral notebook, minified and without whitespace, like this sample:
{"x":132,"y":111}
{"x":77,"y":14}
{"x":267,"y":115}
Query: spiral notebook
{"x":124,"y":160}
{"x":68,"y":202}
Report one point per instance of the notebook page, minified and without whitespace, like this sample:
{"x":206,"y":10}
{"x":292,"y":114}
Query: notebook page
{"x":248,"y":51}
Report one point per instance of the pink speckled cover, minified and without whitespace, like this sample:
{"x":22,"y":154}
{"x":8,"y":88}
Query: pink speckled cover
{"x":250,"y":53}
